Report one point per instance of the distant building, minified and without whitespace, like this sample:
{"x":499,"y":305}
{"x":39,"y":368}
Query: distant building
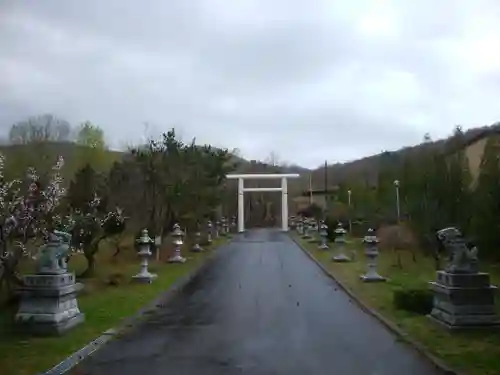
{"x":317,"y":196}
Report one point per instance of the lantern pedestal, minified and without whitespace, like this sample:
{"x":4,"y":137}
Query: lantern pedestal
{"x":323,"y":245}
{"x":196,"y":247}
{"x":144,"y":276}
{"x":341,"y":258}
{"x":371,"y":274}
{"x":176,"y":259}
{"x":305,"y":233}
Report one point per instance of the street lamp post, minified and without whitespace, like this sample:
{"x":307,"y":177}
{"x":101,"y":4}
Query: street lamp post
{"x":349,"y":192}
{"x":396,"y":185}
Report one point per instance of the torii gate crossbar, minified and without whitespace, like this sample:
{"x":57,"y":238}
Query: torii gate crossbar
{"x":241,"y":193}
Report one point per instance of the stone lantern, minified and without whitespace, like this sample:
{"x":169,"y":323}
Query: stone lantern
{"x":307,"y":228}
{"x":223,"y":226}
{"x":196,"y":247}
{"x":48,"y":303}
{"x":209,"y":232}
{"x":144,"y":243}
{"x":217,"y":229}
{"x":314,"y":231}
{"x":178,"y":235}
{"x":340,"y":241}
{"x":293,"y":222}
{"x":233,"y":224}
{"x":323,"y":232}
{"x":300,"y":226}
{"x":371,"y":252}
{"x":314,"y":225}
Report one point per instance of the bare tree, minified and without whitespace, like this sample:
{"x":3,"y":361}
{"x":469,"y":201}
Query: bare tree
{"x":41,"y":128}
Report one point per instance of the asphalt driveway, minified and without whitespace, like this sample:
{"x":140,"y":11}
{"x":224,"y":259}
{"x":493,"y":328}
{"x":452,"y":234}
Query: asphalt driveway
{"x":262,"y":308}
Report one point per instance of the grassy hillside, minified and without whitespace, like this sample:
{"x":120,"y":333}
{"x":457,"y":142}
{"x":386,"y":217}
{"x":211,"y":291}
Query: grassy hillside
{"x":42,"y":157}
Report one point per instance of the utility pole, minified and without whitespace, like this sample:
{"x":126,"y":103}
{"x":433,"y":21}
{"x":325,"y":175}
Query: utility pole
{"x":326,"y":176}
{"x":310,"y":189}
{"x":327,"y":198}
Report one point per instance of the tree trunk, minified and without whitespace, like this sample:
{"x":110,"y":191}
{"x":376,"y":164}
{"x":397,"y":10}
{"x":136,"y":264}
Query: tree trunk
{"x":89,"y":254}
{"x":90,"y":270}
{"x":117,"y":247}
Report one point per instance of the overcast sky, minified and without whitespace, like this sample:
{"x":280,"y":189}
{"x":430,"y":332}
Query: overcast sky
{"x":310,"y":80}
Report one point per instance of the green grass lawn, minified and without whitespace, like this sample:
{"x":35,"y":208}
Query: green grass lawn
{"x":474,"y":353}
{"x":104,"y":303}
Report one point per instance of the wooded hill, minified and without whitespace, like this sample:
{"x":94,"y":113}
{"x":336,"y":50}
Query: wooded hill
{"x":41,"y":155}
{"x":366,"y":169}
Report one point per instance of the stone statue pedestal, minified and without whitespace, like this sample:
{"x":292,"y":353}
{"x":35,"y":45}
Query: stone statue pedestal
{"x":48,"y":304}
{"x":463,"y":300}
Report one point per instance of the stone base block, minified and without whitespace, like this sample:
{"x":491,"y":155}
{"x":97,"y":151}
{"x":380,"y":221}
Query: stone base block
{"x":47,"y":281}
{"x":48,"y":304}
{"x":323,"y":247}
{"x":463,"y":300}
{"x":49,"y":328}
{"x":342,"y":258}
{"x":463,"y":280}
{"x":372,"y":278}
{"x":462,"y":326}
{"x":144,"y":278}
{"x":177,"y":259}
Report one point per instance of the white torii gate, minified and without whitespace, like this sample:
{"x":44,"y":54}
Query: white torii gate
{"x":241,"y":192}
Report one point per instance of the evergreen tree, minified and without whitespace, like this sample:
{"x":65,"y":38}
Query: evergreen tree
{"x":83,"y":188}
{"x":386,"y":190}
{"x":487,"y":201}
{"x":457,"y":196}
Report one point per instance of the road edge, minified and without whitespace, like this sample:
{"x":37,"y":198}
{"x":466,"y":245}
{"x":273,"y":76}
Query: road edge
{"x":419,"y":348}
{"x":128,"y":322}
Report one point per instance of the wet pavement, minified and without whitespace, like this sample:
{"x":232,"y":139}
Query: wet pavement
{"x":262,"y":308}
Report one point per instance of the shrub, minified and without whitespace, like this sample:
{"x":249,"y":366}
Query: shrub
{"x":313,"y":210}
{"x":359,"y":228}
{"x":116,"y":279}
{"x":396,"y":237}
{"x":418,"y":301}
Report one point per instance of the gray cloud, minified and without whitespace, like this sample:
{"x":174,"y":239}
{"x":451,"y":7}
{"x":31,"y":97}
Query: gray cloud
{"x":308,"y":80}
